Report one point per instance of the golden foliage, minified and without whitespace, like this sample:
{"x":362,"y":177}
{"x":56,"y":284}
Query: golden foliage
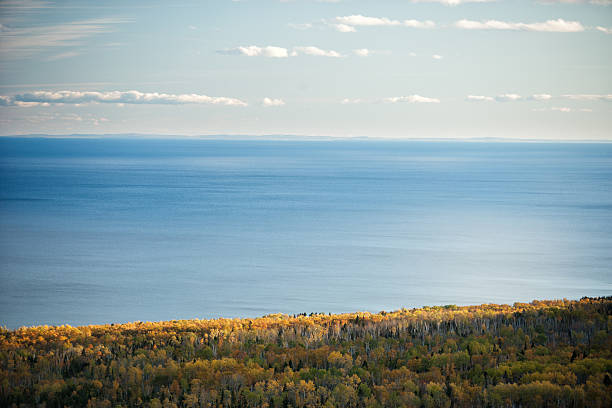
{"x":556,"y":353}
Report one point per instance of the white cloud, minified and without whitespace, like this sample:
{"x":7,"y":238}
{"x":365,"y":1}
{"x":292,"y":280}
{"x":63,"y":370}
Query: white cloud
{"x":343,"y":28}
{"x":272,"y":102}
{"x":559,"y":26}
{"x":362,"y":52}
{"x":589,"y":97}
{"x":347,"y":101}
{"x":279,"y":52}
{"x":46,"y":98}
{"x":255,"y":51}
{"x":359,"y":20}
{"x":479,"y":98}
{"x":508,"y":98}
{"x":392,"y":99}
{"x":604,"y":29}
{"x":437,"y":57}
{"x":411,"y":99}
{"x":315,"y":51}
{"x":540,"y":97}
{"x":419,"y":24}
{"x":29,"y":104}
{"x":347,"y":24}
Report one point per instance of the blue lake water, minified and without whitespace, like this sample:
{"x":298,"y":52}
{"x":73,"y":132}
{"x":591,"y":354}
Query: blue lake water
{"x":101,"y":231}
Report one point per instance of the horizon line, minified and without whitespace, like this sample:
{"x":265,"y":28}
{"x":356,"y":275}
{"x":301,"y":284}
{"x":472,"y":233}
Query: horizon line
{"x":287,"y":138}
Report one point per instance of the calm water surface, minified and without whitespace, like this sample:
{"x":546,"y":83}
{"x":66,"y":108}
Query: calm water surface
{"x":100,"y":231}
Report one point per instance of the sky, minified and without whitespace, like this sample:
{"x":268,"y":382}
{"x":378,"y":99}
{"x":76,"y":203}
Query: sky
{"x":519,"y":69}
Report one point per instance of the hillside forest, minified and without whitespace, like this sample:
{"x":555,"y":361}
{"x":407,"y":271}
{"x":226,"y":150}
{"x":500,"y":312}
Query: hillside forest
{"x":539,"y":354}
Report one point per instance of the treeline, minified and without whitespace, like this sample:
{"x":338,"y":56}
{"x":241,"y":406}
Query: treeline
{"x":545,"y":353}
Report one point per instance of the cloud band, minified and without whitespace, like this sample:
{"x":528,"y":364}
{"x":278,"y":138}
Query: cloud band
{"x":46,"y":98}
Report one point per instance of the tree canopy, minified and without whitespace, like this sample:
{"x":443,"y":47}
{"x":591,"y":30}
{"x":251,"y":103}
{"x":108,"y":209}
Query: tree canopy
{"x":543,"y":353}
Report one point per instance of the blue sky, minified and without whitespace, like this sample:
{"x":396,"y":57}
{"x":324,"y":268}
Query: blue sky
{"x":522,"y":69}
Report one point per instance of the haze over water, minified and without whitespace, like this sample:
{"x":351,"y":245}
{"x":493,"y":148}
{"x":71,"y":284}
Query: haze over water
{"x":107,"y":231}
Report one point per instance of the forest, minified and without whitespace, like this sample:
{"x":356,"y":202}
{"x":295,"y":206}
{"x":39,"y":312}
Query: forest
{"x":539,"y":354}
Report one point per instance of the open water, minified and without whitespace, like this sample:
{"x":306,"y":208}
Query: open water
{"x":102,"y":231}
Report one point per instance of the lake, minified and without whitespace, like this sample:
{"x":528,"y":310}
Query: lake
{"x":116,"y":230}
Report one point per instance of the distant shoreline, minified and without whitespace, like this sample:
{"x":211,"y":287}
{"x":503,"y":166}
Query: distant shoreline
{"x":299,"y":317}
{"x":290,"y":138}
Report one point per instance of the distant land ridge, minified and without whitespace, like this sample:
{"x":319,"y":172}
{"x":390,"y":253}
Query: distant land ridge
{"x":291,"y":137}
